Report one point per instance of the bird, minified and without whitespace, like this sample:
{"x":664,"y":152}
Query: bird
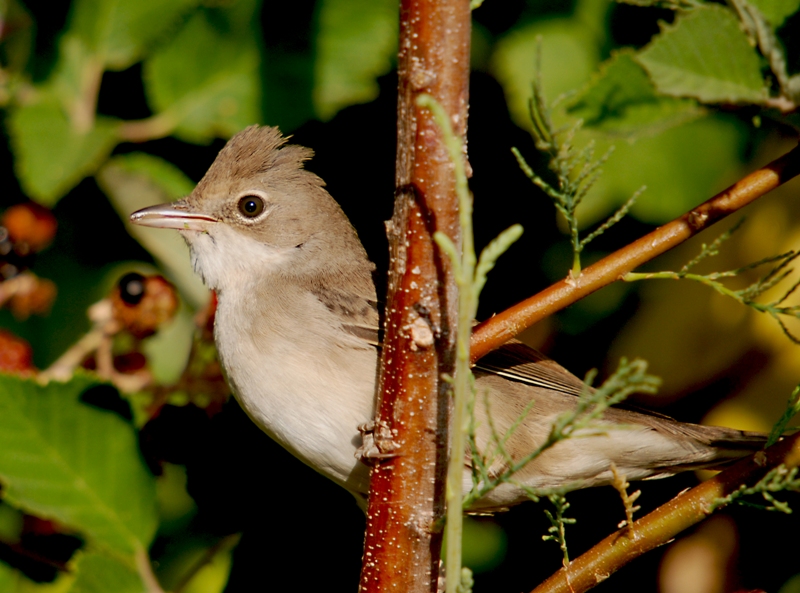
{"x":297,"y":333}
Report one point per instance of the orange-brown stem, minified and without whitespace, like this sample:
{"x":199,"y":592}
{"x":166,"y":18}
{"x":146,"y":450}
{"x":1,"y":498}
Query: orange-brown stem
{"x":495,"y":332}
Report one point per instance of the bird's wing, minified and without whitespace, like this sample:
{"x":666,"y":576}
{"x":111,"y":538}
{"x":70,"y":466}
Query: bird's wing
{"x":358,"y":314}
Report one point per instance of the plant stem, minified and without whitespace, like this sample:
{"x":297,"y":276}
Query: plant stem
{"x":495,"y":332}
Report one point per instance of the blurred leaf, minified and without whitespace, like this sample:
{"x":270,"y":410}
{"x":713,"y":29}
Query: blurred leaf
{"x":13,"y":581}
{"x":51,"y":157}
{"x":117,"y":32}
{"x":99,"y":573}
{"x":706,"y":55}
{"x":776,"y":11}
{"x":212,"y":577}
{"x":356,"y":43}
{"x":207,"y":78}
{"x":138,"y":180}
{"x":564,"y":41}
{"x":168,"y":350}
{"x":80,"y":466}
{"x":622,"y":101}
{"x":16,"y":40}
{"x":484,"y":544}
{"x":10,"y":524}
{"x":682,"y":167}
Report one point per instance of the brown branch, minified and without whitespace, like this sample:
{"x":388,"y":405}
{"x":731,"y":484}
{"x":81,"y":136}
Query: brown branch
{"x":667,"y":521}
{"x":494,"y":332}
{"x":402,"y":545}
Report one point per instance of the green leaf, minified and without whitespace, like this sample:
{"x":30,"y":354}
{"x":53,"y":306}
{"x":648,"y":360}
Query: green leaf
{"x":17,"y":40}
{"x":207,"y":79}
{"x":100,"y":573}
{"x":51,"y":157}
{"x":356,"y":43}
{"x":705,"y":55}
{"x":564,"y":41}
{"x":118,"y":32}
{"x":776,"y":11}
{"x":134,"y":181}
{"x":13,"y":581}
{"x":622,"y":101}
{"x":61,"y":459}
{"x":695,"y":160}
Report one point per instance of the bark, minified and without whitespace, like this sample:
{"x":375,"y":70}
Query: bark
{"x":403,"y":539}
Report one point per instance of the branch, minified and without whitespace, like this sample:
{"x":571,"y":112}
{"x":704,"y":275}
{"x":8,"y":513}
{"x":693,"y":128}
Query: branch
{"x":403,"y":542}
{"x":668,"y":520}
{"x":494,"y":332}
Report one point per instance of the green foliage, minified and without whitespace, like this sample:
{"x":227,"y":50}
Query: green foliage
{"x":576,"y":171}
{"x":64,"y":460}
{"x":356,"y":43}
{"x":746,"y":296}
{"x":51,"y":155}
{"x":137,"y":180}
{"x":100,"y":573}
{"x":558,"y":524}
{"x":776,"y":11}
{"x":705,"y":55}
{"x":792,"y":409}
{"x":621,"y":101}
{"x":117,"y":33}
{"x":780,"y":479}
{"x":207,"y":77}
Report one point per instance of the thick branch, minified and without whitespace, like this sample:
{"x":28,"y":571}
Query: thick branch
{"x":494,"y":332}
{"x":402,"y":546}
{"x":667,"y":521}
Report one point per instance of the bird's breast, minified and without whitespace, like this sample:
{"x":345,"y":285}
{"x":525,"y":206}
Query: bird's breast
{"x":299,"y":380}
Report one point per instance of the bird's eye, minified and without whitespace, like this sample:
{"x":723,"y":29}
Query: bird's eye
{"x":251,"y":206}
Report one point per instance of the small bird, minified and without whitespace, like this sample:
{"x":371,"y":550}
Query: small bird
{"x":297,"y":333}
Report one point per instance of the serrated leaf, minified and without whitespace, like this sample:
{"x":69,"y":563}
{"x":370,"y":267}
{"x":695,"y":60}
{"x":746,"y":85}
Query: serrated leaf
{"x":705,"y":55}
{"x":622,"y":101}
{"x":117,"y":32}
{"x":356,"y":43}
{"x":50,"y":156}
{"x":207,"y":79}
{"x":61,"y":459}
{"x":101,"y":573}
{"x":776,"y":11}
{"x":134,"y":181}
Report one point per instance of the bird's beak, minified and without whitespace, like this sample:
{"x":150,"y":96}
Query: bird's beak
{"x":172,"y":216}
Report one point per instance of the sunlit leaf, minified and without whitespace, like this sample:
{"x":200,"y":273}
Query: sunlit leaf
{"x":681,"y":167}
{"x":356,"y":43}
{"x":50,"y":156}
{"x":207,"y":78}
{"x":706,"y":55}
{"x":137,"y":180}
{"x":776,"y":11}
{"x":564,"y":41}
{"x":13,"y":581}
{"x":117,"y":32}
{"x":63,"y":460}
{"x":101,"y":573}
{"x":622,"y":101}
